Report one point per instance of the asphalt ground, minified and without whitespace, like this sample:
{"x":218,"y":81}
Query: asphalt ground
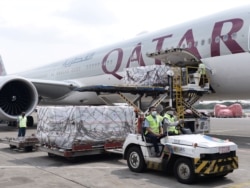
{"x":37,"y":170}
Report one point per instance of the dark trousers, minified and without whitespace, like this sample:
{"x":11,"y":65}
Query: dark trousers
{"x":154,"y":140}
{"x":21,"y":131}
{"x":203,"y":80}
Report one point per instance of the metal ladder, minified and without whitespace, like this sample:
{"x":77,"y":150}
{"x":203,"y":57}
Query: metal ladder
{"x":178,"y":96}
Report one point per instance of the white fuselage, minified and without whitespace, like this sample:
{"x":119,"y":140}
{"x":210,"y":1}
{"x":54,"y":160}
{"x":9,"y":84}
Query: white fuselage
{"x":220,"y":41}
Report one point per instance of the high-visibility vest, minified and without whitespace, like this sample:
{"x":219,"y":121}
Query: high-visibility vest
{"x":154,"y":123}
{"x":202,"y":69}
{"x":171,"y":128}
{"x":22,"y":121}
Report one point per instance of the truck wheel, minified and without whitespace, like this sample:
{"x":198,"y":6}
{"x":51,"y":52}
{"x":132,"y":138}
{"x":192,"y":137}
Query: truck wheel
{"x":12,"y":146}
{"x":51,"y":155}
{"x":221,"y":175}
{"x":184,"y":171}
{"x":135,"y":159}
{"x":28,"y":148}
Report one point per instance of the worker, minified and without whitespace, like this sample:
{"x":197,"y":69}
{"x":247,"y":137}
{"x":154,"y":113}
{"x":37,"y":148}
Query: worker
{"x":154,"y":129}
{"x":202,"y":72}
{"x":170,"y":122}
{"x":22,"y":124}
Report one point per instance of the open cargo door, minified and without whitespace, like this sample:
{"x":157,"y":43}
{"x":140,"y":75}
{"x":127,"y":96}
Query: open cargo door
{"x":175,"y":57}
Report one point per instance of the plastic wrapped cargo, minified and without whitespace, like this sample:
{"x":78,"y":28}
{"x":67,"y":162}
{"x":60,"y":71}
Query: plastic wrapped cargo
{"x":154,"y":75}
{"x":61,"y":127}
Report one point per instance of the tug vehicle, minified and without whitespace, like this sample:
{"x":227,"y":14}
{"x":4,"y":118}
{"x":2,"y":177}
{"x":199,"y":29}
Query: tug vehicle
{"x":187,"y":156}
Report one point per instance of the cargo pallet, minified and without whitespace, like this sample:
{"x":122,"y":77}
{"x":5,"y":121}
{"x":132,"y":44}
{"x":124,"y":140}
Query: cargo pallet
{"x":27,"y":144}
{"x":83,"y":149}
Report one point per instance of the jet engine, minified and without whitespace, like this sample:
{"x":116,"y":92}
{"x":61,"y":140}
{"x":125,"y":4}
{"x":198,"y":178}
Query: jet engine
{"x":16,"y":95}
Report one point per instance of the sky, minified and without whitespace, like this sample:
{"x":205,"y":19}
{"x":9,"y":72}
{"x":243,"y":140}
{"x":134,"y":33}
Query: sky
{"x":38,"y":32}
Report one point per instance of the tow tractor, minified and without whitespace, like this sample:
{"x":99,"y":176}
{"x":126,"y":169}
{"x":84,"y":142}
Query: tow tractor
{"x":187,"y":156}
{"x":190,"y":155}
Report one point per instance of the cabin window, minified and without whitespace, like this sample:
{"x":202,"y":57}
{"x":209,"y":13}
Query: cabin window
{"x":202,"y":42}
{"x":217,"y":39}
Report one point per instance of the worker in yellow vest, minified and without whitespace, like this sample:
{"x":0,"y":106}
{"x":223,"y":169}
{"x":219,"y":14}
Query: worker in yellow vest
{"x":170,"y":122}
{"x":22,"y":124}
{"x":202,"y":72}
{"x":154,"y":129}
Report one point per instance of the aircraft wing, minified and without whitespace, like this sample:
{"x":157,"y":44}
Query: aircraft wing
{"x":149,"y":90}
{"x":53,"y":89}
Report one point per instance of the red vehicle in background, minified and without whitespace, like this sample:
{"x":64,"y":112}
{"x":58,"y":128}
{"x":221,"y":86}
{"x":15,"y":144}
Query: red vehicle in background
{"x":232,"y":111}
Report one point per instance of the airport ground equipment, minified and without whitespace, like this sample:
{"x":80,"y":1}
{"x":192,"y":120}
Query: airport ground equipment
{"x":187,"y":156}
{"x":177,"y":93}
{"x":84,"y":149}
{"x":29,"y":143}
{"x":74,"y":131}
{"x":81,"y":148}
{"x":156,"y":96}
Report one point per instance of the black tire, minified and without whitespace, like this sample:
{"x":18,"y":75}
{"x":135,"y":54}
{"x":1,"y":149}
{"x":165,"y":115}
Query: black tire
{"x":184,"y":171}
{"x":12,"y":146}
{"x":222,"y":175}
{"x":51,"y":155}
{"x":30,"y":121}
{"x":135,"y":159}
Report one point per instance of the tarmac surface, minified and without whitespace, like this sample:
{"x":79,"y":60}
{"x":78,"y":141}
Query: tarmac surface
{"x":37,"y":170}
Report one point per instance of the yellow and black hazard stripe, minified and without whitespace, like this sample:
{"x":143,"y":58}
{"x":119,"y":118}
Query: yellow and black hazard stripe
{"x":154,"y":165}
{"x":215,"y":166}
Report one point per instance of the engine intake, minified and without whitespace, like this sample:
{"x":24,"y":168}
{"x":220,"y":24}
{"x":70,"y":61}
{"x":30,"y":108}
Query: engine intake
{"x":16,"y":95}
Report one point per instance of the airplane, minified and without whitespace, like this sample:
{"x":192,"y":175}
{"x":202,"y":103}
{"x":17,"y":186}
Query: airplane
{"x":220,"y":41}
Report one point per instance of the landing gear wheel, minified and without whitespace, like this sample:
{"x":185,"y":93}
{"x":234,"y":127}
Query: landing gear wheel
{"x":51,"y":155}
{"x":12,"y":146}
{"x":28,"y":148}
{"x":135,"y":159}
{"x":184,"y":171}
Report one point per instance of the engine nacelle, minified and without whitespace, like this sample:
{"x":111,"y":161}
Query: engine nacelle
{"x":16,"y":95}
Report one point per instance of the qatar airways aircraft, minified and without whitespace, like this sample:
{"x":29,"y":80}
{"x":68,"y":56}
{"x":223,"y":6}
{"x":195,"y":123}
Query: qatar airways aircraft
{"x":220,"y":41}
